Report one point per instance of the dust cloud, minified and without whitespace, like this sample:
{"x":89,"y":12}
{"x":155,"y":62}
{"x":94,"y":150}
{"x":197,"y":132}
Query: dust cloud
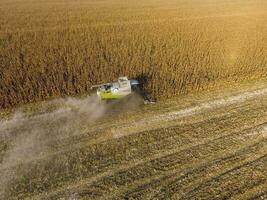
{"x":25,"y":137}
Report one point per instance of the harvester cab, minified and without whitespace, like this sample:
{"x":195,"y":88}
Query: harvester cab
{"x":116,"y":90}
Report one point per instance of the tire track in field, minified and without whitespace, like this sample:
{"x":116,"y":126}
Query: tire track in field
{"x":143,"y":189}
{"x":112,"y":172}
{"x":169,"y":186}
{"x":83,"y":143}
{"x":193,"y":171}
{"x":171,"y":175}
{"x":125,"y":128}
{"x":149,"y":123}
{"x":74,"y":145}
{"x":257,"y":188}
{"x":193,"y":192}
{"x":215,"y":177}
{"x":62,"y":163}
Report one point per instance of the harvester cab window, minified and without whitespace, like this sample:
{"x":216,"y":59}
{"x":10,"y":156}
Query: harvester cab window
{"x":107,"y":87}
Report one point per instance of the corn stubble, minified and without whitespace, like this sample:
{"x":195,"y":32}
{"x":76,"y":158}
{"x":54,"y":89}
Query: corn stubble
{"x":53,"y":48}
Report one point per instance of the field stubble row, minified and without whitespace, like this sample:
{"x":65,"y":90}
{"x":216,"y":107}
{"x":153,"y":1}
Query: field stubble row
{"x":224,"y":133}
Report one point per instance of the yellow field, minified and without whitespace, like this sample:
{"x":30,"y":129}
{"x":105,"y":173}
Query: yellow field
{"x":57,"y":48}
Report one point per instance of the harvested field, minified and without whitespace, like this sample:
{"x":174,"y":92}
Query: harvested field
{"x":218,"y":151}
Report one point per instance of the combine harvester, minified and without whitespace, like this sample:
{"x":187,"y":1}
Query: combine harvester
{"x":116,"y":90}
{"x":120,"y":89}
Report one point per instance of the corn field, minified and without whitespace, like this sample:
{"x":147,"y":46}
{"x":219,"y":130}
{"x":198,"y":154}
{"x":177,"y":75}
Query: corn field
{"x":57,"y":48}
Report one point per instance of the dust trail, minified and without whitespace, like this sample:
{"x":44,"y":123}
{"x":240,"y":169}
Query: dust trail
{"x":26,"y":136}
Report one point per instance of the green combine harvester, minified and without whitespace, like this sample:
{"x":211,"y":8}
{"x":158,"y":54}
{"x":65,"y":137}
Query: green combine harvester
{"x":116,"y":90}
